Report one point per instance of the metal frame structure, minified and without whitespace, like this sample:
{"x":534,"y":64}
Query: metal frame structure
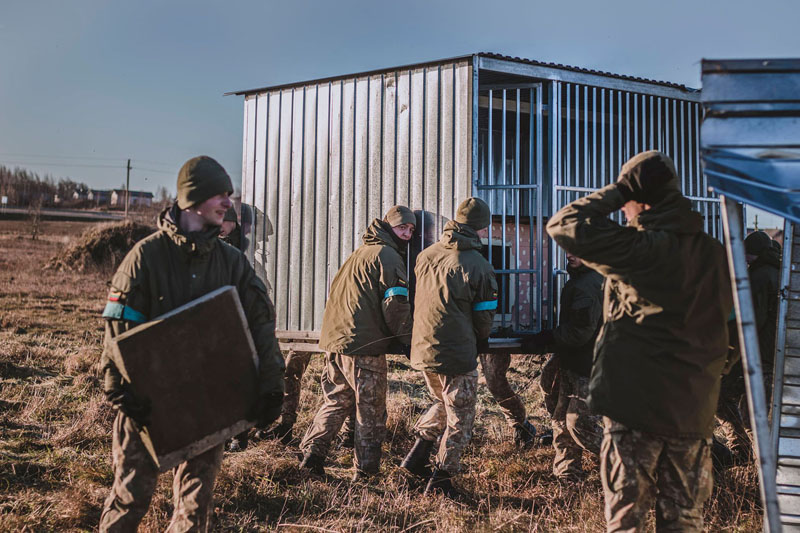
{"x":322,"y":158}
{"x":751,"y":154}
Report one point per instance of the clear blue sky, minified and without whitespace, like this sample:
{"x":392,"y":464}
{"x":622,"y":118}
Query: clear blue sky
{"x":86,"y":84}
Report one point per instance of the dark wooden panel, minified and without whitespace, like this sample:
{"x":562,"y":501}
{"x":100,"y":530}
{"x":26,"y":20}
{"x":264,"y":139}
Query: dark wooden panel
{"x":197,"y":365}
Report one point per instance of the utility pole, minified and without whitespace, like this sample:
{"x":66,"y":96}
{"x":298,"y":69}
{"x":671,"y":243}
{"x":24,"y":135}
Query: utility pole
{"x":128,"y":188}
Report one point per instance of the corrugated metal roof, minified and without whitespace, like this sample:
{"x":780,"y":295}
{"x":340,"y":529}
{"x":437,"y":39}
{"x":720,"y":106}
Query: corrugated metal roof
{"x":586,"y":71}
{"x":461,"y":58}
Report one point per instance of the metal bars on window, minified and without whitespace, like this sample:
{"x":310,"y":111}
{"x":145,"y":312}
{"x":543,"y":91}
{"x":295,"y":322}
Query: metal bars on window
{"x":510,"y":168}
{"x":596,"y":130}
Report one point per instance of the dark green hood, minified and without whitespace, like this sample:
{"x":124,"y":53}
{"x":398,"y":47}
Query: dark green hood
{"x":673,"y":214}
{"x":200,"y":242}
{"x":457,"y":236}
{"x":380,"y":232}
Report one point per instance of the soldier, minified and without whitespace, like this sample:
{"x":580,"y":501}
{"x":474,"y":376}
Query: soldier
{"x":230,"y":231}
{"x":575,"y":428}
{"x":366,"y":311}
{"x":454,"y":307}
{"x":662,"y":346}
{"x":763,"y":268}
{"x":180,"y":262}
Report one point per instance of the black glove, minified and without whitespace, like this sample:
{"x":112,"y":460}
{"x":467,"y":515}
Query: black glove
{"x":482,"y":345}
{"x":644,"y":181}
{"x":267,"y":409}
{"x":539,"y":342}
{"x":121,"y":398}
{"x":407,"y":351}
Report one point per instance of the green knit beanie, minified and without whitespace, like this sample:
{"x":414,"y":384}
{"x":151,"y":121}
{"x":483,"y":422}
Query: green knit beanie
{"x":475,"y":213}
{"x":199,"y":179}
{"x":400,"y":214}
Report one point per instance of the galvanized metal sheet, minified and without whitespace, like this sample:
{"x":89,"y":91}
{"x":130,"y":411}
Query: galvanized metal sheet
{"x":205,"y":361}
{"x":338,"y":154}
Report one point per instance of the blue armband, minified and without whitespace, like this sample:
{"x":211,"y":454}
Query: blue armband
{"x":395,"y":291}
{"x":488,"y":305}
{"x":118,"y":311}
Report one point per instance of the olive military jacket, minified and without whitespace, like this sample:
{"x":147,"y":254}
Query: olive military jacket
{"x":367,"y":308}
{"x":579,"y":320}
{"x":663,"y":343}
{"x":170,"y":268}
{"x":454,"y":302}
{"x":764,"y":275}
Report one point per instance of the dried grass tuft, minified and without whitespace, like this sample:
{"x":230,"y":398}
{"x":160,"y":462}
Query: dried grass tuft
{"x":100,"y":248}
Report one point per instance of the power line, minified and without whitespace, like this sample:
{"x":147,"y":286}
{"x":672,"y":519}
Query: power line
{"x":69,"y":157}
{"x":59,"y":164}
{"x":11,"y":154}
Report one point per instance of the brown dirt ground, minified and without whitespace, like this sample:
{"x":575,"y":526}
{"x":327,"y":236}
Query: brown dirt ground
{"x":55,"y":467}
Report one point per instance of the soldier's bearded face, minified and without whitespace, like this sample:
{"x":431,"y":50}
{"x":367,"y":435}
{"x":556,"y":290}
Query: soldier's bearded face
{"x":404,"y":231}
{"x":212,"y":211}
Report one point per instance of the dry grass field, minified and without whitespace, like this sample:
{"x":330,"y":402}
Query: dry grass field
{"x":55,"y":464}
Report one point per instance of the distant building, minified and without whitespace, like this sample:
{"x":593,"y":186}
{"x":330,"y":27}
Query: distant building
{"x":99,"y":197}
{"x":137,"y":198}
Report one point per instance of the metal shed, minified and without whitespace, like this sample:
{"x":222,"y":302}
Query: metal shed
{"x":322,"y":158}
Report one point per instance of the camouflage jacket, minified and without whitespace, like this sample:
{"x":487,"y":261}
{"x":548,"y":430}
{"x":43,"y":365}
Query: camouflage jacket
{"x":664,"y":340}
{"x":171,"y":268}
{"x":454,"y":304}
{"x":367,"y":308}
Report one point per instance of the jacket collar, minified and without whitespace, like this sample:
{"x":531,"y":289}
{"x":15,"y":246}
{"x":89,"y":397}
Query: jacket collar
{"x":458,"y":236}
{"x":379,"y":232}
{"x":195,"y":242}
{"x":674,"y":214}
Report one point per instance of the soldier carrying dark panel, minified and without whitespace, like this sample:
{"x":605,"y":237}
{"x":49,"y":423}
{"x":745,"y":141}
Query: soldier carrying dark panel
{"x":662,"y":346}
{"x":180,"y":262}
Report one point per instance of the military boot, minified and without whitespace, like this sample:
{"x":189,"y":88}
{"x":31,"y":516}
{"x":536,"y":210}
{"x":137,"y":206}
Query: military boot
{"x":440,"y":482}
{"x":416,"y":461}
{"x":524,"y":435}
{"x":313,"y":463}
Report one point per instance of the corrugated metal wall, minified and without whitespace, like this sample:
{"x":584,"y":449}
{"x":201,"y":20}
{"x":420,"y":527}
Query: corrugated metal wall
{"x":322,"y":160}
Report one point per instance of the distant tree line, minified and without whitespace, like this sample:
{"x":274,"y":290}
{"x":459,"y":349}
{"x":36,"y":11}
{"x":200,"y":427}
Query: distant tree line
{"x":25,"y":188}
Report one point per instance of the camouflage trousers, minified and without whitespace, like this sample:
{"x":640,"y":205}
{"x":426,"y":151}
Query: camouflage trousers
{"x":730,"y":418}
{"x":348,"y":381}
{"x":296,"y":364}
{"x":135,"y":477}
{"x":575,"y":428}
{"x":494,"y":368}
{"x":451,"y":417}
{"x":636,"y":466}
